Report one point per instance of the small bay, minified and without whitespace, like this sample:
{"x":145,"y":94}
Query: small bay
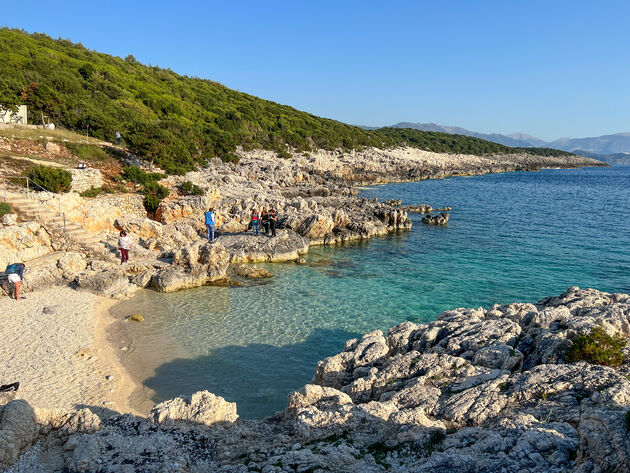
{"x":511,"y":237}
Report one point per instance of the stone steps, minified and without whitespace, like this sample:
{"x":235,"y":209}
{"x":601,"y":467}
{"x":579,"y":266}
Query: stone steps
{"x":91,"y":242}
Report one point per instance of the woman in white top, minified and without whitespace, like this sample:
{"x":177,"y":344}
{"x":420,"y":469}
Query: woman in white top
{"x":124,"y":245}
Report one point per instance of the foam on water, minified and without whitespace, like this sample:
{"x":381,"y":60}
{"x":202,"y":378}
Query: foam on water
{"x":511,"y":237}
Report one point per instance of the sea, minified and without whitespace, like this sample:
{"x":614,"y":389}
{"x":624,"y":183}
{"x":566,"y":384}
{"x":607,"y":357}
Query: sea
{"x":512,"y":237}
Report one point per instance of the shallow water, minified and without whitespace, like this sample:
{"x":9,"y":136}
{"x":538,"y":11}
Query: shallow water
{"x":511,"y":237}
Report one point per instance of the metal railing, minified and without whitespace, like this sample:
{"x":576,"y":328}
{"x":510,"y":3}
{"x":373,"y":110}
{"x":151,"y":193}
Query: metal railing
{"x":30,"y":188}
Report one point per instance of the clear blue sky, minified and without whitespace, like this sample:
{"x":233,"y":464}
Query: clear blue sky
{"x":548,"y":68}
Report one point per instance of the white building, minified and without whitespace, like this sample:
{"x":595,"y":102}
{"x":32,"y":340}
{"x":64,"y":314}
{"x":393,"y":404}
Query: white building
{"x":20,"y":116}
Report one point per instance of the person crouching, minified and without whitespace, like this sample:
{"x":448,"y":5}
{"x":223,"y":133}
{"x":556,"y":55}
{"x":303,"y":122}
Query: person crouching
{"x":15,"y":275}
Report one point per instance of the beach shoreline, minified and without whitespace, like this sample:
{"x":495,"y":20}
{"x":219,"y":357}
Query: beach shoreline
{"x":56,"y":347}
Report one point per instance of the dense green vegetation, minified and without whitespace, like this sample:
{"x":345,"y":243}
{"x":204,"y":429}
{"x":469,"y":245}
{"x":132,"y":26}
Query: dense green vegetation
{"x":597,"y":347}
{"x":51,"y":179}
{"x":174,"y":120}
{"x":188,"y":188}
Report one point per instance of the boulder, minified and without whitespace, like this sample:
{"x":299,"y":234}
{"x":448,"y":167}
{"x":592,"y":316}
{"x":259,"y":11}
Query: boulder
{"x":202,"y":407}
{"x":315,"y":226}
{"x":18,"y":430}
{"x":439,"y":219}
{"x":52,"y":148}
{"x":112,"y":282}
{"x":9,"y":219}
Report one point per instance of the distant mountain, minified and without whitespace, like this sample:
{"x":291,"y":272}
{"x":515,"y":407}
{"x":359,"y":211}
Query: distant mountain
{"x":599,"y":145}
{"x":514,"y":139}
{"x":616,"y":158}
{"x":607,"y":144}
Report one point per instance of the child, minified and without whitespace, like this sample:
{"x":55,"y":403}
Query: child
{"x":124,"y":245}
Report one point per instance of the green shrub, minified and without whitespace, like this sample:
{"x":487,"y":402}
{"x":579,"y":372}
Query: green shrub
{"x":284,"y":154}
{"x":139,"y":176}
{"x":188,"y":188}
{"x":597,"y":347}
{"x":51,"y":179}
{"x":5,"y":208}
{"x":86,"y":152}
{"x":153,"y":195}
{"x":91,"y":192}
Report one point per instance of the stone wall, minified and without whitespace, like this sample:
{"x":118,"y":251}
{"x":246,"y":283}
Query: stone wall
{"x":84,"y":179}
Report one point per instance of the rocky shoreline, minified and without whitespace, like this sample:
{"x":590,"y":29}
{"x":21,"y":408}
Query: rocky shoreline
{"x":488,"y":390}
{"x":314,"y":194}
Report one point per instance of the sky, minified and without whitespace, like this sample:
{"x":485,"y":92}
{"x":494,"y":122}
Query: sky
{"x":547,"y":68}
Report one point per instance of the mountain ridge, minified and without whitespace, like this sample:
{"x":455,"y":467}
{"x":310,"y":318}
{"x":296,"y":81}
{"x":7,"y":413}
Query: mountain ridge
{"x":600,"y":145}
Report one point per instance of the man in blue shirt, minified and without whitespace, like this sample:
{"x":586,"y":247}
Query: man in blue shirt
{"x":210,"y":223}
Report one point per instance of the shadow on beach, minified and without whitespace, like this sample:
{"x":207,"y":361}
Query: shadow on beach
{"x":236,"y":373}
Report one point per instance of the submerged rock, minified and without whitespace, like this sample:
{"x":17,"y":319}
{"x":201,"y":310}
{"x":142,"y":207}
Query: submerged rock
{"x":251,"y":271}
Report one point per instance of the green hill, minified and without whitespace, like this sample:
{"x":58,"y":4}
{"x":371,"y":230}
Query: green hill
{"x":175,"y":120}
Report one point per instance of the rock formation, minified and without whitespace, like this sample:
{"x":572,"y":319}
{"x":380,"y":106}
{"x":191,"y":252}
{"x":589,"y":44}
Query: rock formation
{"x":477,"y":390}
{"x":439,"y":219}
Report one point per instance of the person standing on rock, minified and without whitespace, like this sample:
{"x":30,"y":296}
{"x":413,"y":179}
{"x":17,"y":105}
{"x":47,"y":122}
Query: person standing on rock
{"x":264,"y":218}
{"x":210,"y":224}
{"x":273,"y":218}
{"x":117,"y":137}
{"x":124,"y":245}
{"x":255,"y":221}
{"x":15,"y":273}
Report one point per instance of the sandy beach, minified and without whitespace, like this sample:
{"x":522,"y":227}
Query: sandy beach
{"x":54,"y":343}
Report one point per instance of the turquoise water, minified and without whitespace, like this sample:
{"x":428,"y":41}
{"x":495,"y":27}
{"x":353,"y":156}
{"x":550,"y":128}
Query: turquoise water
{"x":511,"y":237}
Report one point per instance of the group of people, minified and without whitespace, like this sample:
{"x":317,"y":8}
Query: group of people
{"x":268,"y":220}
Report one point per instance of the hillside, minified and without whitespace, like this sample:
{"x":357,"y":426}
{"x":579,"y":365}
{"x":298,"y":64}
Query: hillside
{"x":179,"y":121}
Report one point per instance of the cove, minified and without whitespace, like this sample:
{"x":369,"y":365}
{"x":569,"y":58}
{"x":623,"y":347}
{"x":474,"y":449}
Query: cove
{"x":511,"y":237}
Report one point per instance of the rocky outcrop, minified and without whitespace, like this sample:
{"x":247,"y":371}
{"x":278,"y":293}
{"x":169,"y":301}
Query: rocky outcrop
{"x":418,"y":208}
{"x":439,"y":219}
{"x":246,"y":248}
{"x":186,"y":207}
{"x":476,"y":390}
{"x":195,"y":265}
{"x":23,"y":242}
{"x":202,"y":407}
